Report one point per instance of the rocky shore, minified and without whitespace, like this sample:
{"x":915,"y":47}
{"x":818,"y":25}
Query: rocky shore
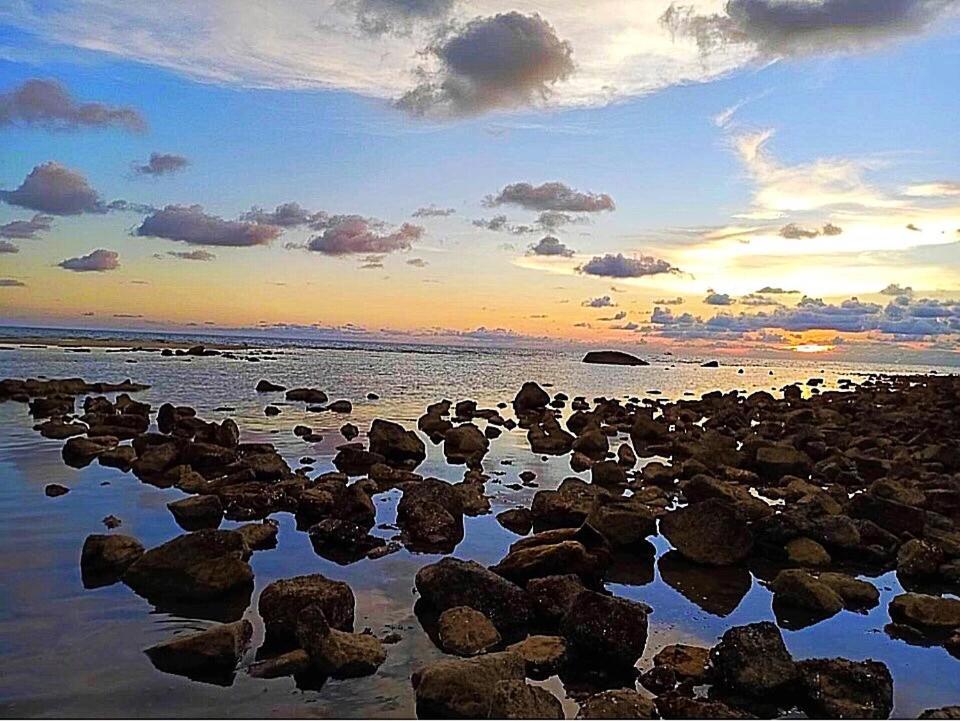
{"x":812,"y":492}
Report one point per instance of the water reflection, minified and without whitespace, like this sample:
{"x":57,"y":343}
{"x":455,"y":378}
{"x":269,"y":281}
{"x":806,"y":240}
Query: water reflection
{"x":718,"y":590}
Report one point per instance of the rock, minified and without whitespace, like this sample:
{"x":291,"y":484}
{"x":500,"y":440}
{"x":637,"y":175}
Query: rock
{"x":282,"y":602}
{"x":334,"y":653}
{"x":549,"y":559}
{"x":797,"y":588}
{"x":531,"y":397}
{"x":464,"y":631}
{"x":306,"y":395}
{"x":349,"y":431}
{"x":473,"y":498}
{"x":918,"y":560}
{"x":516,"y":520}
{"x":451,"y":582}
{"x":658,"y":680}
{"x":197,"y":512}
{"x":80,"y":451}
{"x":196,"y":566}
{"x":710,"y":364}
{"x":675,"y":706}
{"x":688,"y":663}
{"x":398,"y":446}
{"x":121,"y":457}
{"x":856,"y":594}
{"x":807,"y":552}
{"x":775,"y":462}
{"x":259,"y":536}
{"x":623,"y":521}
{"x":946,"y":712}
{"x":710,"y":532}
{"x":462,"y":688}
{"x":613,"y":357}
{"x":265,"y":386}
{"x":566,"y":507}
{"x":605,"y":629}
{"x":618,"y":704}
{"x":342,"y":541}
{"x":353,"y":460}
{"x":543,"y":655}
{"x":340,"y":406}
{"x":516,"y":699}
{"x":626,"y":457}
{"x":553,"y":596}
{"x":753,"y":660}
{"x":271,"y":411}
{"x":207,"y":653}
{"x":608,"y":473}
{"x":53,"y":490}
{"x":465,"y":444}
{"x":111,"y":522}
{"x":105,"y":557}
{"x":842,"y":689}
{"x":59,"y":429}
{"x":287,"y":664}
{"x":926,"y":612}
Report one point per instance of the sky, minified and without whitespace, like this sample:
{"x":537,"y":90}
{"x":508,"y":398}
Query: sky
{"x":722,"y":174}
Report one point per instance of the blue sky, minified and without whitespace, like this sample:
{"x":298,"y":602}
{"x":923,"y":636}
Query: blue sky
{"x":862,"y":114}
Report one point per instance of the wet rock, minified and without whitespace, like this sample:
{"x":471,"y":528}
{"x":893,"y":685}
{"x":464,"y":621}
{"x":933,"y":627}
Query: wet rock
{"x":613,"y":357}
{"x":341,"y":406}
{"x":566,"y":507}
{"x":452,"y":582}
{"x":473,"y":499}
{"x":213,"y":652}
{"x":516,"y":699}
{"x":897,"y":518}
{"x":193,"y":567}
{"x":398,"y":446}
{"x":797,"y":588}
{"x":775,"y":462}
{"x":688,"y":663}
{"x":282,"y":602}
{"x":342,"y":541}
{"x":516,"y":520}
{"x":105,"y":557}
{"x":462,"y":688}
{"x":842,"y":689}
{"x":918,"y":560}
{"x":710,"y":532}
{"x":531,"y":397}
{"x":618,"y":704}
{"x":926,"y":612}
{"x":753,"y":660}
{"x":80,"y":451}
{"x":945,"y":712}
{"x":306,"y":395}
{"x":543,"y":655}
{"x":121,"y":457}
{"x":553,"y":596}
{"x":54,"y":490}
{"x":430,"y":513}
{"x":271,"y":411}
{"x":807,"y":552}
{"x":265,"y":386}
{"x":259,"y":536}
{"x":111,"y":522}
{"x":59,"y":429}
{"x":349,"y":431}
{"x":677,"y":706}
{"x":856,"y":594}
{"x":594,"y":445}
{"x":465,"y":444}
{"x":626,"y":457}
{"x":354,"y":460}
{"x":464,"y":631}
{"x":605,"y":629}
{"x":548,"y":559}
{"x":335,"y":653}
{"x":197,"y":512}
{"x":547,"y":437}
{"x":623,"y":521}
{"x":608,"y":473}
{"x":287,"y":664}
{"x":658,"y":680}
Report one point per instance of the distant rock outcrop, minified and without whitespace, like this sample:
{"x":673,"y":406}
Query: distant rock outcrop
{"x":614,"y":358}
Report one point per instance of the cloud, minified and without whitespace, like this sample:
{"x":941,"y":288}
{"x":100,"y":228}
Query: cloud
{"x":198,"y":254}
{"x":770,"y":290}
{"x":125,"y":206}
{"x":795,"y":232}
{"x":432,"y":211}
{"x":936,"y":189}
{"x":619,"y":266}
{"x":7,"y":247}
{"x":26,"y":229}
{"x":496,"y":223}
{"x":553,"y":196}
{"x":97,"y":261}
{"x":669,"y":301}
{"x":55,"y":189}
{"x":718,"y":299}
{"x":48,"y":104}
{"x":554,"y":219}
{"x":12,"y":283}
{"x":504,"y":61}
{"x":189,"y":224}
{"x":418,"y":263}
{"x":285,"y":215}
{"x":896,"y":289}
{"x":602,"y":302}
{"x":354,"y":234}
{"x":397,"y":17}
{"x":619,"y":315}
{"x":799,"y":27}
{"x":913,"y":227}
{"x":756,"y":299}
{"x":551,"y":246}
{"x":161,"y":164}
{"x":831,"y":230}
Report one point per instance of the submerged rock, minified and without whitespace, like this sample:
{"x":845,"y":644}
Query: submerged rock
{"x":105,"y":557}
{"x":206,"y":655}
{"x":335,"y":653}
{"x":197,"y":512}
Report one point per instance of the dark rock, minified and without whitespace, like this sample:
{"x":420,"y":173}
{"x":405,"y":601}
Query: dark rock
{"x":282,"y":602}
{"x":80,"y":451}
{"x":605,"y":629}
{"x":349,"y":431}
{"x":287,"y":664}
{"x":105,"y":557}
{"x":340,"y":406}
{"x":259,"y":536}
{"x":516,"y":520}
{"x":553,"y":596}
{"x":465,"y":444}
{"x":531,"y":397}
{"x":210,"y":653}
{"x":710,"y":532}
{"x":306,"y":395}
{"x":618,"y":704}
{"x":53,"y":490}
{"x":398,"y":446}
{"x":677,"y":706}
{"x":613,"y":357}
{"x":516,"y":699}
{"x":197,"y":512}
{"x":265,"y":386}
{"x":797,"y":588}
{"x":842,"y":689}
{"x":464,"y":631}
{"x":335,"y":653}
{"x":753,"y":660}
{"x":688,"y":663}
{"x":543,"y":655}
{"x":926,"y":612}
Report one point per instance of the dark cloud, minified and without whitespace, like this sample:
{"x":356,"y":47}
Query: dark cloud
{"x":26,"y":229}
{"x":198,"y":254}
{"x":771,"y":290}
{"x":418,"y":263}
{"x":189,"y":224}
{"x":551,"y":246}
{"x":55,"y":189}
{"x":397,"y":17}
{"x":796,"y":27}
{"x":553,"y":196}
{"x":602,"y":302}
{"x":718,"y":299}
{"x":620,"y":315}
{"x":619,"y":266}
{"x":161,"y":164}
{"x":669,"y":301}
{"x":896,"y":289}
{"x":354,"y":234}
{"x":12,"y":283}
{"x":554,"y":219}
{"x":913,"y":227}
{"x":756,"y":299}
{"x":503,"y":61}
{"x":831,"y":229}
{"x":286,"y":215}
{"x":432,"y":211}
{"x":793,"y":231}
{"x":497,"y":223}
{"x":97,"y":261}
{"x":125,"y":206}
{"x":7,"y":247}
{"x":47,"y":103}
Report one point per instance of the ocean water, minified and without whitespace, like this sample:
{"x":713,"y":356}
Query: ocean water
{"x":67,"y":652}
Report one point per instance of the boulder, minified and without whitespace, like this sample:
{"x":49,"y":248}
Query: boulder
{"x":464,"y":631}
{"x":613,"y":357}
{"x":856,"y":594}
{"x":553,"y":596}
{"x":106,"y":556}
{"x":516,"y":699}
{"x":55,"y":490}
{"x":282,"y":602}
{"x":430,"y":514}
{"x":197,"y":512}
{"x":516,"y":520}
{"x":549,"y":559}
{"x":753,"y":660}
{"x":398,"y":446}
{"x":605,"y":629}
{"x":618,"y":703}
{"x":306,"y":395}
{"x":79,"y":451}
{"x":842,"y":689}
{"x":608,"y":473}
{"x":775,"y":462}
{"x":286,"y":664}
{"x":259,"y":536}
{"x":797,"y":588}
{"x":807,"y":552}
{"x":530,"y":397}
{"x":710,"y":532}
{"x":212,"y":652}
{"x":918,"y":560}
{"x":465,"y":444}
{"x":265,"y":386}
{"x":623,"y":521}
{"x":926,"y":612}
{"x":335,"y":653}
{"x":688,"y":663}
{"x":676,"y":706}
{"x":463,"y":688}
{"x":543,"y":655}
{"x":121,"y":457}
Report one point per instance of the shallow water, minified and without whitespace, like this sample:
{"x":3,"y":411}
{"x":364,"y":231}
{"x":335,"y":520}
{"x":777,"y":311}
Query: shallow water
{"x":66,"y":651}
